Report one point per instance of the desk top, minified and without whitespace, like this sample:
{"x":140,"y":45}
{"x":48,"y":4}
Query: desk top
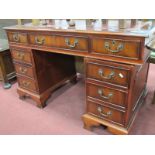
{"x":112,"y":29}
{"x":3,"y":45}
{"x":101,"y":43}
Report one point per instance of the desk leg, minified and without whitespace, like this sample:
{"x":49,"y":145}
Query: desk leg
{"x":39,"y":99}
{"x":91,"y":121}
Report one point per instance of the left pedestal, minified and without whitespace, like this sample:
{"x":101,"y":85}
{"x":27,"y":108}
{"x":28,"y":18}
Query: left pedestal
{"x":40,"y":72}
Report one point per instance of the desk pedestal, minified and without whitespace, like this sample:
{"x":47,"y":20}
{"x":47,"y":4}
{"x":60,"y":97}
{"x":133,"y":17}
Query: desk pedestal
{"x":39,"y":73}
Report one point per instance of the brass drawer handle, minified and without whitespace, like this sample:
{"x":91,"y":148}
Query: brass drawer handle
{"x":40,"y":41}
{"x":20,"y":55}
{"x":107,"y":114}
{"x":100,"y":92}
{"x":118,"y":49}
{"x":23,"y":70}
{"x":110,"y":76}
{"x":25,"y":83}
{"x":74,"y":44}
{"x":16,"y":37}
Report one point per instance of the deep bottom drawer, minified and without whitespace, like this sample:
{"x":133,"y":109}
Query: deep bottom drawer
{"x":27,"y":83}
{"x":105,"y":112}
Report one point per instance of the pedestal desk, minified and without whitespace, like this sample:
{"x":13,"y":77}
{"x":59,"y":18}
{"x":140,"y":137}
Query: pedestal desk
{"x":116,"y":69}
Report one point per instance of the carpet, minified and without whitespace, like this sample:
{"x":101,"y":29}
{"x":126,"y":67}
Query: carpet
{"x":62,"y":115}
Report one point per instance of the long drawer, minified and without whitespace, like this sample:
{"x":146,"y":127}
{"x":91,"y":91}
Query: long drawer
{"x":57,"y":41}
{"x":105,"y":112}
{"x":27,"y":83}
{"x":109,"y":72}
{"x":109,"y":95}
{"x":116,"y":47}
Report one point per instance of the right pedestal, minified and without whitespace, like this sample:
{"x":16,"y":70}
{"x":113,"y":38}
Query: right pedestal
{"x":114,"y":94}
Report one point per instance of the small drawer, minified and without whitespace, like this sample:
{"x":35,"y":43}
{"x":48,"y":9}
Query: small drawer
{"x":27,"y":83}
{"x":21,"y":55}
{"x":114,"y":73}
{"x":74,"y":43}
{"x":108,"y":95}
{"x":129,"y":49}
{"x":24,"y":70}
{"x":44,"y":40}
{"x":63,"y":42}
{"x":107,"y":113}
{"x":17,"y":37}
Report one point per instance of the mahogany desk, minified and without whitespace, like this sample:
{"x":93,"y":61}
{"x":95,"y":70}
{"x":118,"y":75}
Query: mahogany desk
{"x":116,"y":69}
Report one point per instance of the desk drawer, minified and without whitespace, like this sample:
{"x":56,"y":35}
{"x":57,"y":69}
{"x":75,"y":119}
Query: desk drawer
{"x":17,"y":37}
{"x":117,"y":47}
{"x":21,"y":55}
{"x":27,"y":83}
{"x":107,"y":113}
{"x":63,"y":42}
{"x":106,"y":94}
{"x":109,"y":72}
{"x":24,"y":70}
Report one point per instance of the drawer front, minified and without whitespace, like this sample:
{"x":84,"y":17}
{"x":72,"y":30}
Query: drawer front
{"x":63,"y":42}
{"x":17,"y":37}
{"x":106,"y":113}
{"x":109,"y":73}
{"x":27,"y":83}
{"x":21,"y":55}
{"x":44,"y":40}
{"x":24,"y":70}
{"x":106,"y":94}
{"x":117,"y":47}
